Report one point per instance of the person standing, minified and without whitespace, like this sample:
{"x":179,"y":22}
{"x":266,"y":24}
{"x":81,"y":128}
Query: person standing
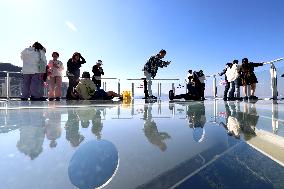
{"x":98,"y":72}
{"x":248,"y":78}
{"x":151,"y":67}
{"x":227,"y":86}
{"x":232,"y":75}
{"x":201,"y":78}
{"x":34,"y":67}
{"x":73,"y":72}
{"x":55,"y":69}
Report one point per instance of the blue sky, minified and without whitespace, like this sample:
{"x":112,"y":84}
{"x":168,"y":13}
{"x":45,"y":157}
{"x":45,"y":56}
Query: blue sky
{"x":197,"y":34}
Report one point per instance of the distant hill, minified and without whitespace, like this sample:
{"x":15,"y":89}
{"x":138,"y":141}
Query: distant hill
{"x":11,"y":68}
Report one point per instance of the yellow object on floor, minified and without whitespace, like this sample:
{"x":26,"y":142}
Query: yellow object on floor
{"x":126,"y":95}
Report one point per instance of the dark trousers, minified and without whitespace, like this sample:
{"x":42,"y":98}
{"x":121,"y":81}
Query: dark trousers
{"x":73,"y":82}
{"x":98,"y":83}
{"x":227,"y":87}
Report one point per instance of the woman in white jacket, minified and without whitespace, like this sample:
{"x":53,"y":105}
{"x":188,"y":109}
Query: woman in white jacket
{"x":34,"y":67}
{"x":232,"y":75}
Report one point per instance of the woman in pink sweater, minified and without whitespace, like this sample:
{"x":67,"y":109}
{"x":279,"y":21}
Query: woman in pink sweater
{"x":55,"y":72}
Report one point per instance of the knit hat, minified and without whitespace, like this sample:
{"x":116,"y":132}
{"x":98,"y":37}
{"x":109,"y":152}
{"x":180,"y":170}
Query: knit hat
{"x":86,"y":75}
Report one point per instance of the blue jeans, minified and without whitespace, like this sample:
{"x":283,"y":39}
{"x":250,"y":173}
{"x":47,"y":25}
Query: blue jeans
{"x":149,"y":82}
{"x":234,"y":88}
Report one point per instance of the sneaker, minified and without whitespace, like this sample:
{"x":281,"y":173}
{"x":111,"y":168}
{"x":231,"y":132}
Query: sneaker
{"x":253,"y":97}
{"x":50,"y":99}
{"x":231,"y":99}
{"x":146,"y":97}
{"x":245,"y":98}
{"x":153,"y":97}
{"x":24,"y":99}
{"x":38,"y":99}
{"x":57,"y":99}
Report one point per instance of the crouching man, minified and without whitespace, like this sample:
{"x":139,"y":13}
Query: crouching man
{"x":86,"y":90}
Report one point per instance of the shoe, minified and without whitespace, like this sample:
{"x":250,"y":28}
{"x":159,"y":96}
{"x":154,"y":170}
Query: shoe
{"x":24,"y":99}
{"x":231,"y":99}
{"x":253,"y":97}
{"x":57,"y":99}
{"x":50,"y":99}
{"x":245,"y":98}
{"x":225,"y":99}
{"x":239,"y":98}
{"x":153,"y":97}
{"x":38,"y":99}
{"x":146,"y":97}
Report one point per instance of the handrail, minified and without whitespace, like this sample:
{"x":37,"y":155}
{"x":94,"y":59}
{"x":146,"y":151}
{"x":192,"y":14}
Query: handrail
{"x":155,"y":79}
{"x":9,"y":72}
{"x":276,"y":60}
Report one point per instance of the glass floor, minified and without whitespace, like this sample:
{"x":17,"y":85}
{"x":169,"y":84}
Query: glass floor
{"x":181,"y":144}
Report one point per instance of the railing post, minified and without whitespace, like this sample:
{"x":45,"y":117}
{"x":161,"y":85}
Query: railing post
{"x":118,"y":86}
{"x":132,"y":86}
{"x":274,"y":119}
{"x":248,"y":90}
{"x":214,"y":86}
{"x":160,"y":90}
{"x":7,"y":86}
{"x":273,"y":77}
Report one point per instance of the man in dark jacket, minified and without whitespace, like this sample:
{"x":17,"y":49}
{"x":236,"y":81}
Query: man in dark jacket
{"x":151,"y":67}
{"x":98,"y":72}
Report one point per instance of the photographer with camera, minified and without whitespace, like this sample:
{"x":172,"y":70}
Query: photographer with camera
{"x":73,"y":72}
{"x":151,"y":67}
{"x":98,"y":71}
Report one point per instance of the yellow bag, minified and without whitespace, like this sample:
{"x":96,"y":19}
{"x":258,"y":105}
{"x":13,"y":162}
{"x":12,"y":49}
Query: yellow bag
{"x":126,"y":95}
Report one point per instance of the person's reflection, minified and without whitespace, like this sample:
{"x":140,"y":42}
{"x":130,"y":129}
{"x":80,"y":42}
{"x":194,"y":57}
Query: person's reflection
{"x":248,"y":120}
{"x":32,"y":132}
{"x":97,"y":124}
{"x":72,"y":129}
{"x":151,"y":130}
{"x":85,"y":115}
{"x":241,"y":122}
{"x":233,"y":124}
{"x":196,"y":120}
{"x":53,"y":127}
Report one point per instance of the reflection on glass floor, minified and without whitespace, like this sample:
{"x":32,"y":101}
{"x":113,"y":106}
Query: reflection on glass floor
{"x":141,"y":144}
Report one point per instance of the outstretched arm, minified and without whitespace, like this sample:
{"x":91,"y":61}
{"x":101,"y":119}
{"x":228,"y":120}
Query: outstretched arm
{"x":223,"y":72}
{"x":257,"y":64}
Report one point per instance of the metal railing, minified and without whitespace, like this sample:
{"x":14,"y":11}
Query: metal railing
{"x":273,"y":79}
{"x":6,"y":88}
{"x":159,"y":85}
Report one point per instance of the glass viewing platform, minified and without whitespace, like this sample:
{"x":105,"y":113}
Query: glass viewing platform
{"x":141,"y":144}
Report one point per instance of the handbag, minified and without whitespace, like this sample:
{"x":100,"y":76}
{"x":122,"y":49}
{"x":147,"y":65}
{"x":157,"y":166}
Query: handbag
{"x":41,"y":65}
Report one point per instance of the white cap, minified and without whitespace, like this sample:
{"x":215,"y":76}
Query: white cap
{"x":99,"y":62}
